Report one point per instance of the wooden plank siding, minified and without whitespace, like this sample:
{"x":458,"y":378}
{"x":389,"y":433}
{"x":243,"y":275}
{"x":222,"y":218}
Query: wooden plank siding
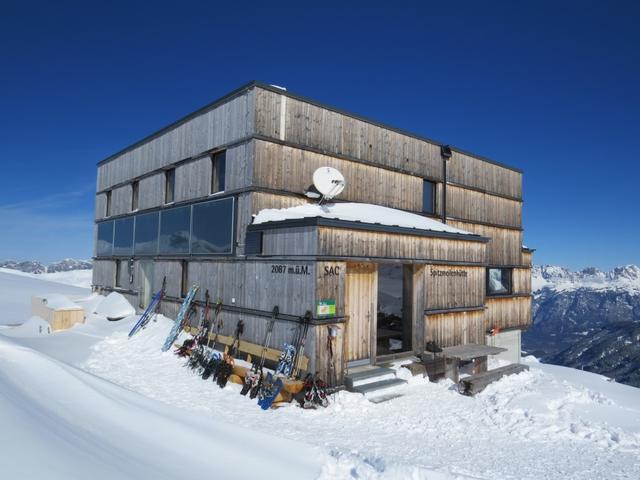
{"x":474,"y":172}
{"x":507,"y":312}
{"x":455,"y":328}
{"x":332,"y":132}
{"x":224,"y":124}
{"x":444,"y":290}
{"x":291,"y":169}
{"x":298,"y":241}
{"x":481,"y":207}
{"x":104,"y":273}
{"x":342,"y":242}
{"x":527,"y":258}
{"x":521,"y":280}
{"x":505,"y":247}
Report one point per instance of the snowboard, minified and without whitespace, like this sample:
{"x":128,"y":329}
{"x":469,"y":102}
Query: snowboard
{"x":269,"y":391}
{"x":182,"y":315}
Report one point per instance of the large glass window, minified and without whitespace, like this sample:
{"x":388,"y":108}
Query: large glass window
{"x":123,"y":237}
{"x":212,"y":227}
{"x":499,"y":281}
{"x":174,"y":231}
{"x":104,"y":247}
{"x":428,"y":197}
{"x":169,"y":185}
{"x":218,"y":164}
{"x":146,"y":242}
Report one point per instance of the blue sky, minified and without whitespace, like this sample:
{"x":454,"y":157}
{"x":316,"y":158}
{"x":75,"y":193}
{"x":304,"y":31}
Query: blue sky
{"x":550,"y":87}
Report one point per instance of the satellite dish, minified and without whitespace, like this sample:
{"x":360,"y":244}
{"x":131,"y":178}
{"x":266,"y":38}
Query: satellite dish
{"x":328,"y":181}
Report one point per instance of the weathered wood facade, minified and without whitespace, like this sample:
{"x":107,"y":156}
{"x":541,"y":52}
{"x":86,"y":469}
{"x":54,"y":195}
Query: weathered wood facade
{"x":272,"y":141}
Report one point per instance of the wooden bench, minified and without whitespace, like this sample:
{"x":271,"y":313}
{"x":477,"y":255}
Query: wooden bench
{"x":478,"y":382}
{"x":250,"y":349}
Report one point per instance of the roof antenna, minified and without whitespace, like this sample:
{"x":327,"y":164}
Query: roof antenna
{"x":327,"y":184}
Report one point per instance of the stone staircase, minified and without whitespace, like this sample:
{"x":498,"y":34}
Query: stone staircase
{"x":377,"y":384}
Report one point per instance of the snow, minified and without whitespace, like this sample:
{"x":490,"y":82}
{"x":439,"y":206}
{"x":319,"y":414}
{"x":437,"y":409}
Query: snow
{"x":114,"y":307}
{"x":625,"y":278}
{"x":76,"y":278}
{"x":91,"y":402}
{"x":58,"y":301}
{"x":17,"y":288}
{"x":356,"y":212}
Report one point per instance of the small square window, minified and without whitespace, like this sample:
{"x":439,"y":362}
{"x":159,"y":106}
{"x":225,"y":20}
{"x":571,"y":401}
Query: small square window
{"x":169,"y":185}
{"x":428,"y":197}
{"x":218,"y":164}
{"x":118,"y":282}
{"x":184,"y":278}
{"x":499,"y":281}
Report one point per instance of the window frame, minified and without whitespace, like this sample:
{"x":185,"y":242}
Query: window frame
{"x":218,"y":165}
{"x":433,"y":197}
{"x":169,"y":186}
{"x":509,"y":291}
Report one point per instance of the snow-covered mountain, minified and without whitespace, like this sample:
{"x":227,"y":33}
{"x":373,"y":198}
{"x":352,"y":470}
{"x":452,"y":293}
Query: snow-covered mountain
{"x":31,"y":266}
{"x":588,"y":319}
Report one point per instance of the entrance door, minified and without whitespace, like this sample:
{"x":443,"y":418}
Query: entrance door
{"x":146,"y":283}
{"x":361,"y":292}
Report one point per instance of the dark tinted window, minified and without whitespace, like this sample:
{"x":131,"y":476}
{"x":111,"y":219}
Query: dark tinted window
{"x":174,"y":231}
{"x":428,"y":197}
{"x":170,"y":185}
{"x":123,"y":237}
{"x":107,"y":208}
{"x":135,"y":187}
{"x":105,"y":239}
{"x":147,"y":234}
{"x":498,"y":281}
{"x":217,"y":172}
{"x":212,"y":227}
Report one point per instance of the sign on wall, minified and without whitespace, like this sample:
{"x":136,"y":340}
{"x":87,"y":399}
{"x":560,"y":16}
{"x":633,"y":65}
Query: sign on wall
{"x":326,"y":308}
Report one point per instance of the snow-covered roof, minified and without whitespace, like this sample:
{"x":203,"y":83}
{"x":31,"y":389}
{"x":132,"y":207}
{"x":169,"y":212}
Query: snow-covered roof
{"x":357,"y":212}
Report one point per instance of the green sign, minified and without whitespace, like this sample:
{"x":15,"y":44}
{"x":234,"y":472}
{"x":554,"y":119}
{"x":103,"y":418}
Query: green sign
{"x":326,"y":308}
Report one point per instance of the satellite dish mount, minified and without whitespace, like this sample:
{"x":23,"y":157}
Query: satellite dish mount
{"x":327,"y":184}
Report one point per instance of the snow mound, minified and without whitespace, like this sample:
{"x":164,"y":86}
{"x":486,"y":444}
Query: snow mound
{"x":59,"y":422}
{"x":115,"y":307}
{"x":57,"y":301}
{"x":356,"y":212}
{"x":34,"y":327}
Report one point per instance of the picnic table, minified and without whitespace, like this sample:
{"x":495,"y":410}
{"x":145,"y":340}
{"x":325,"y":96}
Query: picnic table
{"x":448,"y":361}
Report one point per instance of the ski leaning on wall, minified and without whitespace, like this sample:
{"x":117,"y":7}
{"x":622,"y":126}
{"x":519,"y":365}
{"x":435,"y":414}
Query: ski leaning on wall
{"x":182,"y":316}
{"x":151,"y":311}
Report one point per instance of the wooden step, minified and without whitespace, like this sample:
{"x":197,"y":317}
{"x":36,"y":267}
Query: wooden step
{"x":358,"y":377}
{"x":369,"y":389}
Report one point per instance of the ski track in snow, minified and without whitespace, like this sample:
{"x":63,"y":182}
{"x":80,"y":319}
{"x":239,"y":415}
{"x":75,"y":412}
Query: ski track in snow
{"x":532,"y":425}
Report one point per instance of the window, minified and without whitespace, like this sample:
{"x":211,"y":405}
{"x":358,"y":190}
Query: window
{"x":184,"y":280}
{"x":174,"y":231}
{"x":169,"y":185}
{"x":218,"y":163}
{"x":123,"y":236}
{"x":107,"y":208}
{"x":146,"y":239}
{"x":499,"y":281}
{"x":428,"y":197}
{"x":105,"y":239}
{"x":135,"y":187}
{"x":212,"y":227}
{"x":118,"y":283}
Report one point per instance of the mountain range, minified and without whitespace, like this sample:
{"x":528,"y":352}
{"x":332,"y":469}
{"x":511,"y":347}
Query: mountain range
{"x":31,"y":266}
{"x":588,"y":319}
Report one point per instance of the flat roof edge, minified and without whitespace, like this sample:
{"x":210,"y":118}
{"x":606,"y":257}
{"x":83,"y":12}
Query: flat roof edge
{"x":355,"y":225}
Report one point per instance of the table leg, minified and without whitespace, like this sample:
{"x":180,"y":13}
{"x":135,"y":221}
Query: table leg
{"x":451,"y":369}
{"x":480,"y":365}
